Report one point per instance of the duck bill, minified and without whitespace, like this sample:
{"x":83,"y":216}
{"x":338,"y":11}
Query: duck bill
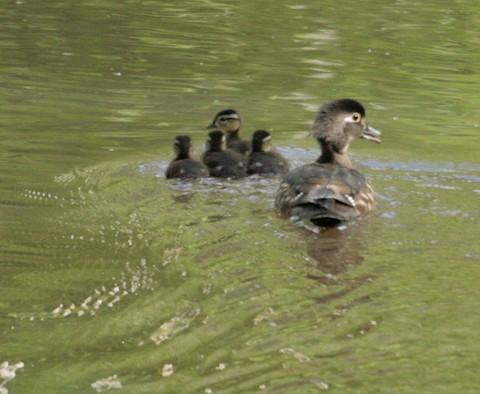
{"x":372,"y":134}
{"x":211,"y":126}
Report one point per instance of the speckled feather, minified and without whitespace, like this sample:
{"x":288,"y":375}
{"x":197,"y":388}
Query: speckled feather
{"x":267,"y":163}
{"x":325,"y":194}
{"x":225,"y":164}
{"x":186,"y":168}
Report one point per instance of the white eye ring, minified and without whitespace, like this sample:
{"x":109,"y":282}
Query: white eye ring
{"x":354,"y":118}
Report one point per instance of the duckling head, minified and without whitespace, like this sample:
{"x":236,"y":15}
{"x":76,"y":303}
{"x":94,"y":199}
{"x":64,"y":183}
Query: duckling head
{"x":182,"y":145}
{"x":261,"y":141}
{"x":227,"y":120}
{"x":216,"y":141}
{"x":341,"y":121}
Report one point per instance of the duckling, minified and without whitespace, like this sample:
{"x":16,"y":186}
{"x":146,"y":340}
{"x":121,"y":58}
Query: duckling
{"x":330,"y":191}
{"x":220,"y":162}
{"x":263,"y":159}
{"x":229,"y":122}
{"x":183,"y":166}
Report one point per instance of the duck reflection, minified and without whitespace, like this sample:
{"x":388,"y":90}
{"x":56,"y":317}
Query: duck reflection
{"x":183,"y":198}
{"x":336,"y":250}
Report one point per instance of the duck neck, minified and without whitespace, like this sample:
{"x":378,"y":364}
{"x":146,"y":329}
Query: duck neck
{"x":331,"y":155}
{"x":257,"y":146}
{"x":233,"y":136}
{"x":215,"y":146}
{"x":183,"y":154}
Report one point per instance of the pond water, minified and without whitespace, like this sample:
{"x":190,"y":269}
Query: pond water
{"x":116,"y":279}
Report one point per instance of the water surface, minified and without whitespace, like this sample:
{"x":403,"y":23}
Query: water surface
{"x":114,"y":278}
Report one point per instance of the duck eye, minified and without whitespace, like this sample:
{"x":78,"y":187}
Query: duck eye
{"x":356,"y":117}
{"x":222,"y":119}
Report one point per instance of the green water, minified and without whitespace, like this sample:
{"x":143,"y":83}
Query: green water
{"x":114,"y":279}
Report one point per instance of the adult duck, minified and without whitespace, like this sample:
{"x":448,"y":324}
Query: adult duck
{"x":331,"y":191}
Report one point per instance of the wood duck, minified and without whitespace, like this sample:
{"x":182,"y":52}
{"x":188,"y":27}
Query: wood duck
{"x":330,"y":191}
{"x":262,"y":159}
{"x":220,"y":162}
{"x":229,"y":122}
{"x":183,"y":166}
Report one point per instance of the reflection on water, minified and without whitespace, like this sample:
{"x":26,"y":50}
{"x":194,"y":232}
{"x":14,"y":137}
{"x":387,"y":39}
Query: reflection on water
{"x":333,"y":251}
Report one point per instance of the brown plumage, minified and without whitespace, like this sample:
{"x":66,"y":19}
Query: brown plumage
{"x":331,"y":191}
{"x":183,"y":166}
{"x":263,"y":159}
{"x":220,"y":162}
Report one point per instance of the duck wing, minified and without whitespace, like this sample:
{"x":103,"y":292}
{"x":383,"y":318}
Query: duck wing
{"x":325,"y":194}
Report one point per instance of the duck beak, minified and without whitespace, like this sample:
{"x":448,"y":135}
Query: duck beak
{"x":372,"y":134}
{"x":211,"y":126}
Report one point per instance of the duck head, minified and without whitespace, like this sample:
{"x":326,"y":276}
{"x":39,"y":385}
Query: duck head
{"x":216,"y":141}
{"x":341,"y":121}
{"x":228,"y":121}
{"x":182,"y":145}
{"x":261,"y":141}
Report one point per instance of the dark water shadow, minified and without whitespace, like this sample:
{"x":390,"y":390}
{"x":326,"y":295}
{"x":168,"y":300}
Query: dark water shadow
{"x":335,"y":250}
{"x":332,"y":251}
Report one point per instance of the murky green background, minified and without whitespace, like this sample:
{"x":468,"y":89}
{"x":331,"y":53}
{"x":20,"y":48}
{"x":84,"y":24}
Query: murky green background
{"x":113,"y":278}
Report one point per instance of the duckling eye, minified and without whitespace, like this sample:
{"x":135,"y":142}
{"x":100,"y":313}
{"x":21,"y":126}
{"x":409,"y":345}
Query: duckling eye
{"x":222,"y":119}
{"x":356,"y":117}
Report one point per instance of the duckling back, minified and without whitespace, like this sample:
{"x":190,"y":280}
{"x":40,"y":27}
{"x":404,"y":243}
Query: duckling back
{"x":186,"y":168}
{"x":263,"y":159}
{"x":220,"y":162}
{"x":183,"y":166}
